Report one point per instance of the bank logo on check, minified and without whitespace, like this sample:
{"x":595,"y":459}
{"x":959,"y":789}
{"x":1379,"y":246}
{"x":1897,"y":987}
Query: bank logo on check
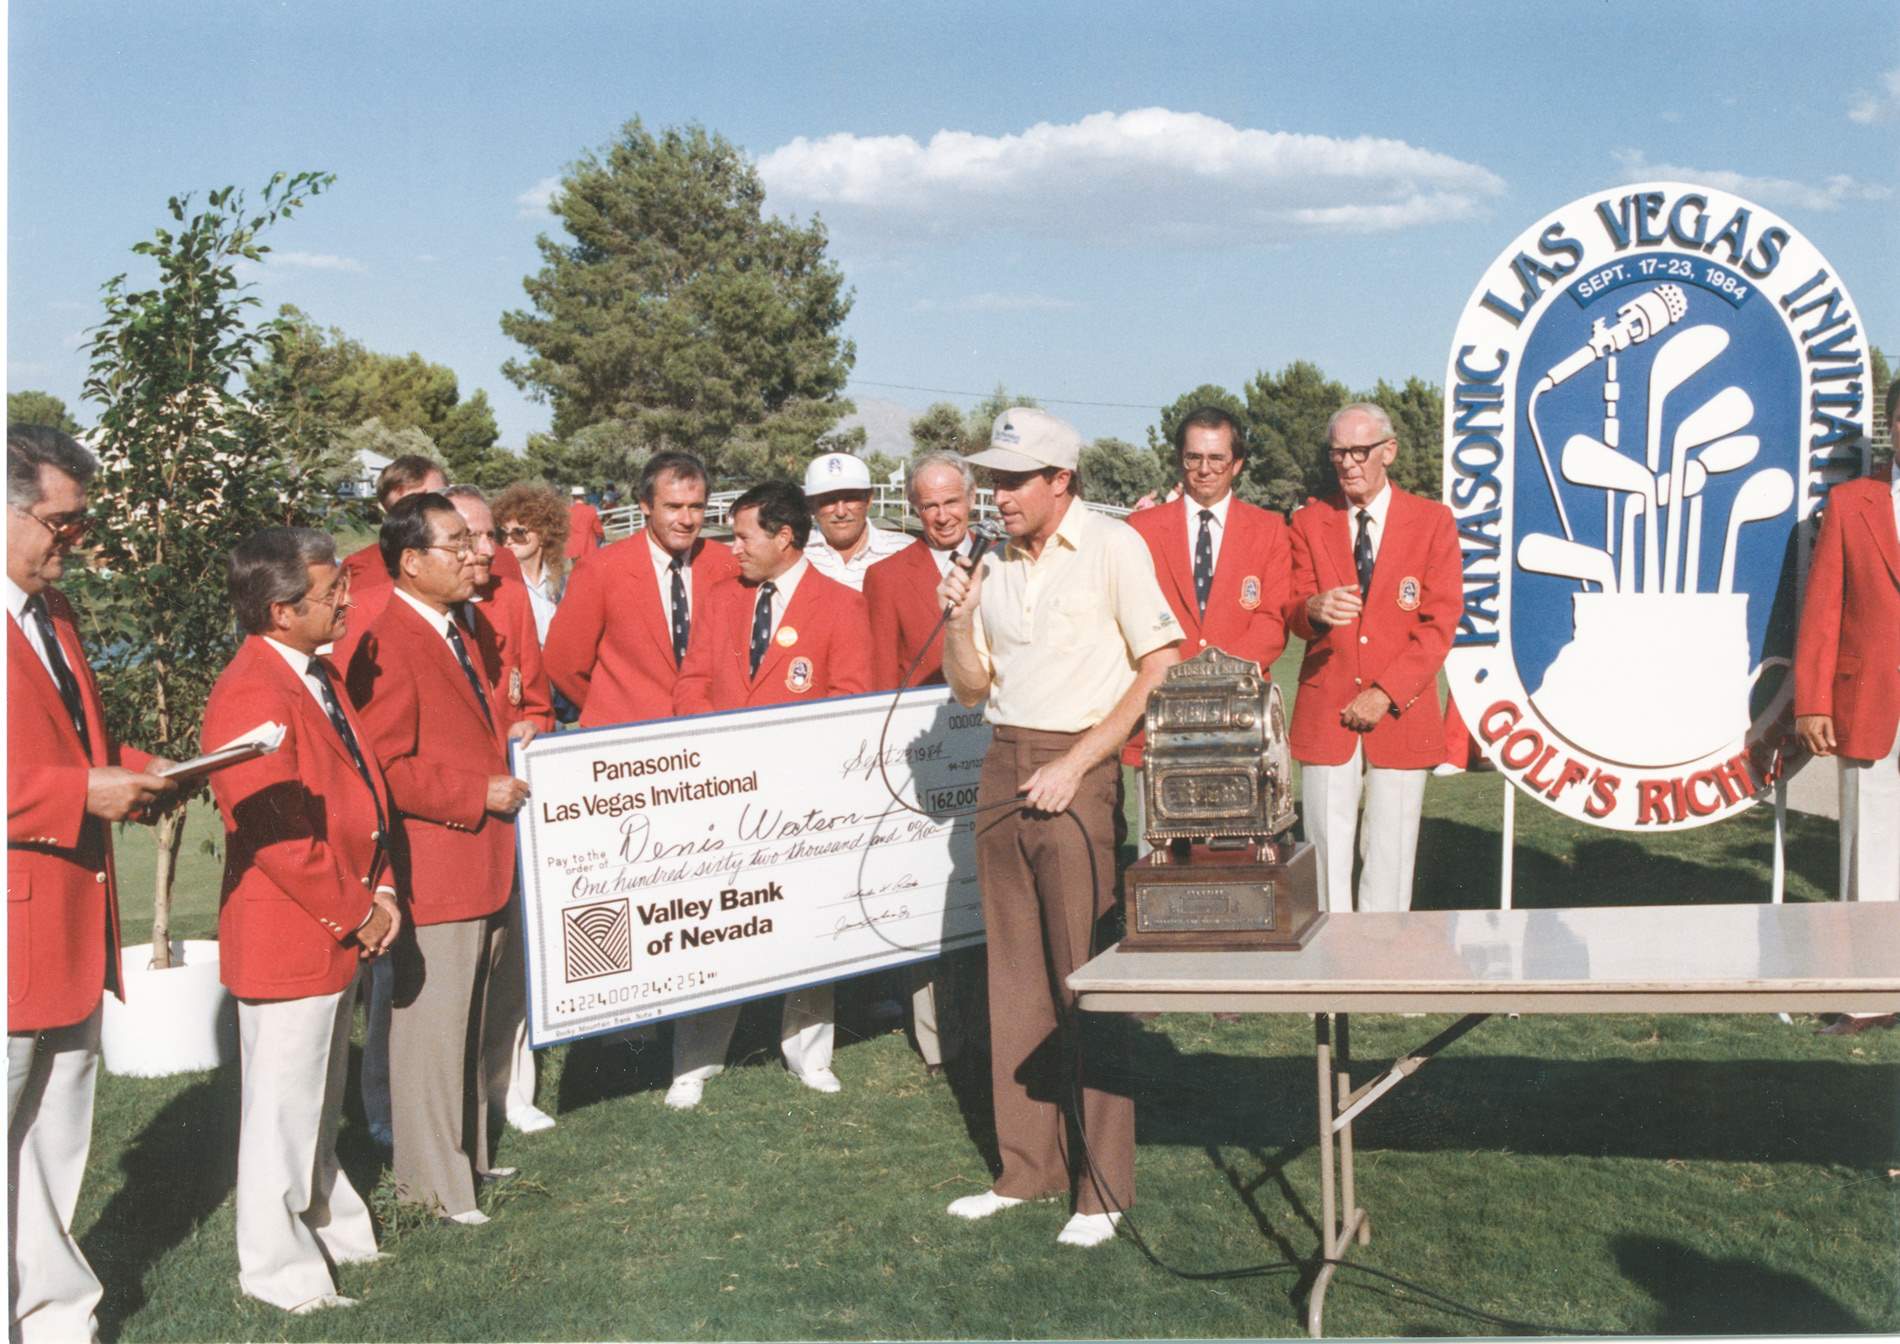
{"x":598,"y":940}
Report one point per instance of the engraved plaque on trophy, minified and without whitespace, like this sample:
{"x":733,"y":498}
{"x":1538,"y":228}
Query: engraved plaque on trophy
{"x":1218,"y":785}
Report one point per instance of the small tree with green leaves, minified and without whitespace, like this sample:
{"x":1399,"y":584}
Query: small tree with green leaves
{"x":187,"y":469}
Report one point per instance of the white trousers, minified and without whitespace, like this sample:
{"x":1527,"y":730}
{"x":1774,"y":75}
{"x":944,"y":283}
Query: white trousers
{"x":52,"y":1292}
{"x":297,"y":1213}
{"x":1870,"y":828}
{"x":805,"y":1035}
{"x":1387,"y":840}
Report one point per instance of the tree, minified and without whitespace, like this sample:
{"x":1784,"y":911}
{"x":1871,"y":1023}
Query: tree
{"x":1114,"y":471}
{"x":940,"y":429}
{"x":326,"y":383}
{"x":187,"y":469}
{"x":39,"y":408}
{"x":1418,"y":417}
{"x":605,"y":453}
{"x":1286,"y":416}
{"x":676,"y":307}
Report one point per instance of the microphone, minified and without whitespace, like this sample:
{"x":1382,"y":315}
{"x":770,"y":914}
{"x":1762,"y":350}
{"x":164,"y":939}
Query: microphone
{"x":985,"y":534}
{"x":1636,"y":321}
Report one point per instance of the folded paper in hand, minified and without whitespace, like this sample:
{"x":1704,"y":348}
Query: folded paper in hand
{"x":260,"y":741}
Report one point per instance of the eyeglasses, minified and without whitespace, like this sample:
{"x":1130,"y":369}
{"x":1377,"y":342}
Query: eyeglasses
{"x":1358,"y":452}
{"x":514,"y":536}
{"x":67,"y":528}
{"x":1207,"y":461}
{"x":462,"y":550}
{"x":339,"y":595}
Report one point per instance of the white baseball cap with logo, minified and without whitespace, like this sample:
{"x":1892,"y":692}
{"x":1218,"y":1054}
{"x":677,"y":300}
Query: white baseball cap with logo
{"x":1026,"y":439}
{"x":836,"y":471}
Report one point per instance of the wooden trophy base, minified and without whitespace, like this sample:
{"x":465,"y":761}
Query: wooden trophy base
{"x":1212,"y":898}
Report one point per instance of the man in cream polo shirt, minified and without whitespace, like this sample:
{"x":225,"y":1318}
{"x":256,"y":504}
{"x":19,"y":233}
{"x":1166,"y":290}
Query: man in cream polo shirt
{"x":1066,"y":632}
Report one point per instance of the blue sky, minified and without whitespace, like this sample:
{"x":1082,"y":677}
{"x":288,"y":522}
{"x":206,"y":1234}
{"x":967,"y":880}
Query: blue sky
{"x":1092,"y":203}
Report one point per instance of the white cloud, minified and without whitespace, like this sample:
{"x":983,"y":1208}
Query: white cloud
{"x":533,"y":203}
{"x":1867,"y":108}
{"x":996,"y":303}
{"x":1831,"y":193}
{"x":311,"y":261}
{"x":1144,"y":176}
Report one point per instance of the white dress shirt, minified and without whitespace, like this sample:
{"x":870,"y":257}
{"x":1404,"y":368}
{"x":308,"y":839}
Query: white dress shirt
{"x":17,"y":598}
{"x":879,"y":542}
{"x":1379,"y":507}
{"x":1216,"y":530}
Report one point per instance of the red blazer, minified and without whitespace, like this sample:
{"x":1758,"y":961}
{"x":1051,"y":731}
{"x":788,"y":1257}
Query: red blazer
{"x":303,"y":834}
{"x":1245,"y":607}
{"x":1847,"y":652}
{"x":370,"y":587}
{"x":830,"y":654}
{"x":1398,"y":644}
{"x":609,"y":647}
{"x":900,"y":592}
{"x":438,"y":753}
{"x":523,"y":677}
{"x":62,"y":895}
{"x":584,"y":532}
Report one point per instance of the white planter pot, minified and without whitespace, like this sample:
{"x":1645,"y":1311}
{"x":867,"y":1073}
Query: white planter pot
{"x":178,"y":1020}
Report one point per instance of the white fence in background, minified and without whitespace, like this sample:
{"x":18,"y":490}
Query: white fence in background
{"x":890,"y":502}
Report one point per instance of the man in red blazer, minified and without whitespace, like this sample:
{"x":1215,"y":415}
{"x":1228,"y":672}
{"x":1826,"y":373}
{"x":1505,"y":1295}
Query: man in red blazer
{"x":629,"y":615}
{"x":900,"y":594}
{"x":1375,"y":595}
{"x":425,"y":683}
{"x":584,"y":532}
{"x":1221,"y":561}
{"x":1847,"y":672}
{"x":780,"y":633}
{"x":410,"y":474}
{"x":66,"y":782}
{"x":499,"y":587}
{"x":307,"y":894}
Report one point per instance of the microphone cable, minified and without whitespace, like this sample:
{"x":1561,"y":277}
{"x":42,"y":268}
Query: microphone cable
{"x":1070,"y":1046}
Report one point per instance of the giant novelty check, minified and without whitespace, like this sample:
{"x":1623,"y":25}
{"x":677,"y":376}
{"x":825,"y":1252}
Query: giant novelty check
{"x":674,"y":866}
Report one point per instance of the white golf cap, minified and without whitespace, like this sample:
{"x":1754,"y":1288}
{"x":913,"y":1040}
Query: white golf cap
{"x":836,"y":471}
{"x":576,"y":491}
{"x":1025,"y":439}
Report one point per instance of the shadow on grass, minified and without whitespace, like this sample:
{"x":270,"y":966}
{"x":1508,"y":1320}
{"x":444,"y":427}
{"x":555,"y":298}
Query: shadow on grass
{"x":180,"y":1167}
{"x":1814,"y":1111}
{"x":1698,"y":1295}
{"x":1458,"y":869}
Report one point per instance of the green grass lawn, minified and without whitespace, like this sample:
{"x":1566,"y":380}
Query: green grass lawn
{"x":1623,"y":1174}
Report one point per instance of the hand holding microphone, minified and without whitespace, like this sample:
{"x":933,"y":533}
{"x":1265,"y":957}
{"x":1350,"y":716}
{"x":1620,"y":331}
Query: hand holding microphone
{"x":963,"y":581}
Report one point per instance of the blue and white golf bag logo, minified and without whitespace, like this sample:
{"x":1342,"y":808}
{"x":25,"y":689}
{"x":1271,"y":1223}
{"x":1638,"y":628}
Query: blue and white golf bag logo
{"x":1655,"y":464}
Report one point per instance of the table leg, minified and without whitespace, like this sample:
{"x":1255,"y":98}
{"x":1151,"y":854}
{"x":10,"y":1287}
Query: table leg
{"x":1337,"y":1232}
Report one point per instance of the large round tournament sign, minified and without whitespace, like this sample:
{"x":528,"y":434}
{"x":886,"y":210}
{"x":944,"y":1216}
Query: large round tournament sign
{"x":1651,"y":391}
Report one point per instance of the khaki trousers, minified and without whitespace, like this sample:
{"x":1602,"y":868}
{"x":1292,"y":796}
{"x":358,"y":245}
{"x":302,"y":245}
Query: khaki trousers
{"x":297,"y":1213}
{"x":437,"y":1089}
{"x":507,"y":1061}
{"x":1044,"y":889}
{"x":52,"y":1292}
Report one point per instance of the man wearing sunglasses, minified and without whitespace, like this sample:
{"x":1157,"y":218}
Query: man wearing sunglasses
{"x":1376,"y":597}
{"x":66,"y":782}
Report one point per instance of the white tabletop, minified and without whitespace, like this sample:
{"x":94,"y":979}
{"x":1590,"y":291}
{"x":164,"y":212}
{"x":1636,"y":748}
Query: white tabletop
{"x":1811,"y":957}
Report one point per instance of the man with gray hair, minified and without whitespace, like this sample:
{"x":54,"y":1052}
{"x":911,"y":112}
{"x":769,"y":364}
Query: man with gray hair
{"x":308,"y":896}
{"x":907,"y":650}
{"x":1376,"y":597}
{"x":67,"y":781}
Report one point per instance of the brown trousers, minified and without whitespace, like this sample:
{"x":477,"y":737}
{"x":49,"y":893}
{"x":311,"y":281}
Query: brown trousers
{"x":438,"y":1095}
{"x":1042,"y":896}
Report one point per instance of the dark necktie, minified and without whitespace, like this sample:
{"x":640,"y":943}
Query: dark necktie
{"x":334,"y":709}
{"x":468,"y":670}
{"x":1362,"y":553}
{"x":762,"y":624}
{"x":1204,"y":561}
{"x":681,"y":617}
{"x":62,"y":674}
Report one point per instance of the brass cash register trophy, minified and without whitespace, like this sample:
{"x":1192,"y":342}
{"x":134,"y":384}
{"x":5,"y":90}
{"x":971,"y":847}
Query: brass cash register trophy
{"x":1218,"y":785}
